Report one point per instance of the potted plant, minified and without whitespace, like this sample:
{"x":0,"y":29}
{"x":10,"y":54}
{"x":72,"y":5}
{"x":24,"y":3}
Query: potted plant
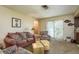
{"x":68,"y":39}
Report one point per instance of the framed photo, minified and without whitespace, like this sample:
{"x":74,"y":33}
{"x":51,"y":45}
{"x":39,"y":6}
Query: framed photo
{"x":16,"y":22}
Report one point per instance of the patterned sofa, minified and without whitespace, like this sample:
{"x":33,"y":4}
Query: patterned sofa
{"x":15,"y":50}
{"x":21,"y":39}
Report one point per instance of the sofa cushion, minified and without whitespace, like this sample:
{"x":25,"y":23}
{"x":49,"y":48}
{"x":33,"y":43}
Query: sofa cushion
{"x":30,"y":39}
{"x":29,"y":35}
{"x":10,"y":40}
{"x":19,"y":38}
{"x":44,"y":35}
{"x":10,"y":50}
{"x":1,"y":52}
{"x":23,"y":34}
{"x":15,"y":36}
{"x":21,"y":43}
{"x":44,"y":32}
{"x":15,"y":50}
{"x":21,"y":50}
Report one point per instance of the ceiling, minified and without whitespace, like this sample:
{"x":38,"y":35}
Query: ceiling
{"x":39,"y":12}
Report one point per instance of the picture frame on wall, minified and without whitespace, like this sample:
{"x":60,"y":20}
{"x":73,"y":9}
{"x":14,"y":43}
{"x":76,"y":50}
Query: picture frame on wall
{"x":16,"y":22}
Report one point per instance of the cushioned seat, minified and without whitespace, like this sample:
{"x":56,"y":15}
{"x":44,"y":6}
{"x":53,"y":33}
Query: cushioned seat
{"x":21,"y":39}
{"x":44,"y":35}
{"x":15,"y":50}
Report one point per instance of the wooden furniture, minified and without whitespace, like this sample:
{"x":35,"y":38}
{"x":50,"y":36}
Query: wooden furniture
{"x":37,"y":37}
{"x":38,"y":48}
{"x":76,"y":21}
{"x":77,"y":37}
{"x":41,"y":46}
{"x":46,"y":44}
{"x":76,"y":30}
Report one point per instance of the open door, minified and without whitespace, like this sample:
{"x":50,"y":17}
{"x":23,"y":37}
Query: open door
{"x":36,"y":27}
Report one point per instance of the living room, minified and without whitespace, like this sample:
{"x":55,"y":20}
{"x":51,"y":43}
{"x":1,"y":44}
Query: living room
{"x":55,"y":21}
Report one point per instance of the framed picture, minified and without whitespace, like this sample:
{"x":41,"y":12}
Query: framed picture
{"x":16,"y":22}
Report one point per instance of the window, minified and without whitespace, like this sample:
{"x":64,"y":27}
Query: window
{"x":55,"y":29}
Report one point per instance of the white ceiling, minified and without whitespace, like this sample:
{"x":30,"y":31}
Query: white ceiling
{"x":39,"y":12}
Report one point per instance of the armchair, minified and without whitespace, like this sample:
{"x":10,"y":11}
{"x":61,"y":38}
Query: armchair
{"x":44,"y":35}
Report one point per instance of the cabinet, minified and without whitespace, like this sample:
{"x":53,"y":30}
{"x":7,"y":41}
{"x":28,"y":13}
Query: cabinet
{"x":76,"y":31}
{"x":77,"y":37}
{"x":76,"y":22}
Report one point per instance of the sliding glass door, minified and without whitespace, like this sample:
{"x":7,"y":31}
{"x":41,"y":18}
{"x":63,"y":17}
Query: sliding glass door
{"x":55,"y":29}
{"x":50,"y":28}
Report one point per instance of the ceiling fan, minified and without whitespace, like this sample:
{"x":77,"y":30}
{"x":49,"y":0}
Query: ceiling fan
{"x":44,"y":6}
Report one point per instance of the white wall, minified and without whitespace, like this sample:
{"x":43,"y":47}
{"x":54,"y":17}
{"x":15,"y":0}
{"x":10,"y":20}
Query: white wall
{"x":6,"y":21}
{"x":77,"y":12}
{"x":68,"y":30}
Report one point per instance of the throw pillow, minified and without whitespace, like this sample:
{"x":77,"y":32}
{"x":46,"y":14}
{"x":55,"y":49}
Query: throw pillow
{"x":14,"y":35}
{"x":21,"y":50}
{"x":23,"y":34}
{"x":10,"y":40}
{"x":1,"y":52}
{"x":19,"y":37}
{"x":30,"y":39}
{"x":29,"y":35}
{"x":10,"y":50}
{"x":21,"y":43}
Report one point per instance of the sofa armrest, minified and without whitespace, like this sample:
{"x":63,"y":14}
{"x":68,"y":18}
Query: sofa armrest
{"x":1,"y":52}
{"x":10,"y":40}
{"x":2,"y":44}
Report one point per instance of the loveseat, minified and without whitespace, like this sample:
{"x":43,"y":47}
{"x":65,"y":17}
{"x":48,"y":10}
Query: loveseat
{"x":14,"y":50}
{"x":21,"y":39}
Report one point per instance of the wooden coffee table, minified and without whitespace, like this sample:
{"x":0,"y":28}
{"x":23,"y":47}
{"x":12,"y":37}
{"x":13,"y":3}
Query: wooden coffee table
{"x":46,"y":44}
{"x":41,"y":46}
{"x":38,"y":48}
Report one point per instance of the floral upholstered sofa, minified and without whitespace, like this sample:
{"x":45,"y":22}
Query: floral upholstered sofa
{"x":21,"y":39}
{"x":14,"y":50}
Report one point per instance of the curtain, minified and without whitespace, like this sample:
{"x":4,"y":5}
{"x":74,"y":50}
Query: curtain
{"x":55,"y":29}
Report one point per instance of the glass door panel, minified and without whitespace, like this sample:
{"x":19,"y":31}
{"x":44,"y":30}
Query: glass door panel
{"x":55,"y":29}
{"x":50,"y":28}
{"x":58,"y":29}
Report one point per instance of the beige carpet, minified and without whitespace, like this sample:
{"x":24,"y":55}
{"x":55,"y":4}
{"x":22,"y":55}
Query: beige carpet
{"x":63,"y":47}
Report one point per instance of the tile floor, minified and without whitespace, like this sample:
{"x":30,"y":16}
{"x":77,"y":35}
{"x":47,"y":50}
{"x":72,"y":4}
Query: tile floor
{"x":63,"y":47}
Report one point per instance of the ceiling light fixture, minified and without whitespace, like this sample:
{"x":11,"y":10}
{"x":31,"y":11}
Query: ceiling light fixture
{"x":45,"y":6}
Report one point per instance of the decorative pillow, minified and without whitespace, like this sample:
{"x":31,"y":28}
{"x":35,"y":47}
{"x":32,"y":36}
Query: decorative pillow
{"x":23,"y":34}
{"x":29,"y":39}
{"x":29,"y":35}
{"x":44,"y":32}
{"x":19,"y":38}
{"x":44,"y":36}
{"x":10,"y":40}
{"x":22,"y":51}
{"x":1,"y":52}
{"x":10,"y":50}
{"x":13,"y":35}
{"x":22,"y":43}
